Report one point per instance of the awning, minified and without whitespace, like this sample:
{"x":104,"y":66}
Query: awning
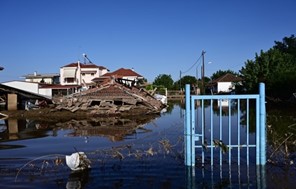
{"x":89,"y":72}
{"x":69,"y":73}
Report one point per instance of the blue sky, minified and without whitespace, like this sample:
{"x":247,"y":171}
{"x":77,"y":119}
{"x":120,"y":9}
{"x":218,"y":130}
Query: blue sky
{"x":152,"y":36}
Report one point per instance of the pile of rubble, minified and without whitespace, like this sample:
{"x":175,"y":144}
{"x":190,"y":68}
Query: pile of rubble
{"x":111,"y":98}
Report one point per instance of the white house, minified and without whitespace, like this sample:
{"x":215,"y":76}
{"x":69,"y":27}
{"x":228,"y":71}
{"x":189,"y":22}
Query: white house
{"x":43,"y":78}
{"x":80,"y":73}
{"x":225,"y":83}
{"x":70,"y":80}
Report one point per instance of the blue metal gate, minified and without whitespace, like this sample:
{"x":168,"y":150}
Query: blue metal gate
{"x":195,"y":120}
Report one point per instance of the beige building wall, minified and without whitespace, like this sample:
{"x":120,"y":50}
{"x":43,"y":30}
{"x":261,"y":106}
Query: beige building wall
{"x":11,"y":102}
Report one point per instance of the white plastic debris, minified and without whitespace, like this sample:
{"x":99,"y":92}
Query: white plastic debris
{"x":78,"y":161}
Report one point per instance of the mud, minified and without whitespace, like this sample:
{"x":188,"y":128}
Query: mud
{"x":53,"y":115}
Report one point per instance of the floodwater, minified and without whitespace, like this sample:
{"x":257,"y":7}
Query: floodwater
{"x":127,"y":153}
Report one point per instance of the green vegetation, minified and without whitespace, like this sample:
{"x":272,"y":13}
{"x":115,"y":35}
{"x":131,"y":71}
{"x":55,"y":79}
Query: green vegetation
{"x":276,"y":68}
{"x":185,"y":80}
{"x":164,"y":80}
{"x":220,"y":73}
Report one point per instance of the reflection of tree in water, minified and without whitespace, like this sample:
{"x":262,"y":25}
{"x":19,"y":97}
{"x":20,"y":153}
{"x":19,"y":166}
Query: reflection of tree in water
{"x":281,"y":151}
{"x":252,"y":116}
{"x":281,"y":136}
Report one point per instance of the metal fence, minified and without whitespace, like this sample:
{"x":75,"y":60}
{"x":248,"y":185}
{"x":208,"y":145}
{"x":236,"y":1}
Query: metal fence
{"x":200,"y":130}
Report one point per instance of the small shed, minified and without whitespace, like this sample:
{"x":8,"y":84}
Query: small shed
{"x":225,"y":83}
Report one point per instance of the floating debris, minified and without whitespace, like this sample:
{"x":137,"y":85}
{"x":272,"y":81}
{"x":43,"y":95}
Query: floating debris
{"x":166,"y":145}
{"x":219,"y":143}
{"x":118,"y":155}
{"x":205,"y":146}
{"x":78,"y":161}
{"x":150,"y":151}
{"x":3,"y":116}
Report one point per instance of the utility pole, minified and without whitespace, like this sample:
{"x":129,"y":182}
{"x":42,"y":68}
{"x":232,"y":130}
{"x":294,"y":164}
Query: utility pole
{"x":180,"y":81}
{"x":203,"y":73}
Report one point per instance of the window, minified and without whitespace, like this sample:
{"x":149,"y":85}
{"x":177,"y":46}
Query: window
{"x":69,"y":80}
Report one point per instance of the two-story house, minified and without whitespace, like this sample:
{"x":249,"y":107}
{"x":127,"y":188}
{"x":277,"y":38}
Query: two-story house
{"x":80,"y":73}
{"x":71,"y":79}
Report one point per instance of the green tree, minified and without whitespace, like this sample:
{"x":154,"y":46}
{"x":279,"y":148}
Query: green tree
{"x":288,"y":45}
{"x":142,"y":81}
{"x":220,"y":73}
{"x":275,"y":67}
{"x":185,"y":80}
{"x":164,"y":80}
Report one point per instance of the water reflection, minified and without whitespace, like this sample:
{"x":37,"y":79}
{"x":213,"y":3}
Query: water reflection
{"x":226,"y":176}
{"x":114,"y":128}
{"x":78,"y":179}
{"x":160,"y":170}
{"x":13,"y":129}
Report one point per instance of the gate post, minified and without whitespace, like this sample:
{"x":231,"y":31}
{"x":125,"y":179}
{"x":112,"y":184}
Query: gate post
{"x":187,"y":129}
{"x":262,"y":114}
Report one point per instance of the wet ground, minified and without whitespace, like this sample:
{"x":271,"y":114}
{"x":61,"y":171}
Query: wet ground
{"x":54,"y":115}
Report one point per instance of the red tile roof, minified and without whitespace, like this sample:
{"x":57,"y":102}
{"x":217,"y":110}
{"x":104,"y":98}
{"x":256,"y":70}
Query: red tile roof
{"x":82,"y":65}
{"x":123,"y":72}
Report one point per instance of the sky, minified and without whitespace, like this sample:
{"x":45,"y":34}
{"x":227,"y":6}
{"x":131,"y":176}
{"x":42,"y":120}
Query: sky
{"x":151,"y":36}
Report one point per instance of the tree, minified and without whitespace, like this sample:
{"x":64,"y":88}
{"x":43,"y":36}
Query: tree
{"x":250,"y":75}
{"x":164,"y":80}
{"x":185,"y":80}
{"x":275,"y":67}
{"x":288,"y":45}
{"x":142,"y":81}
{"x":220,"y":73}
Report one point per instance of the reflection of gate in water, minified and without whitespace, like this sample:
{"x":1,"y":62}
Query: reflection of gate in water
{"x":222,"y":133}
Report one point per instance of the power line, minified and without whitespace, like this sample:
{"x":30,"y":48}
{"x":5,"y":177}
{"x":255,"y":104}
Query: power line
{"x":192,"y":65}
{"x":202,"y":55}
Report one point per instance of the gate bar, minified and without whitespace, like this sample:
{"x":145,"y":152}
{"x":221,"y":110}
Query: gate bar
{"x":189,"y":130}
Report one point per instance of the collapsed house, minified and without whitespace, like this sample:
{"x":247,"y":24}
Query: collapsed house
{"x":111,"y":97}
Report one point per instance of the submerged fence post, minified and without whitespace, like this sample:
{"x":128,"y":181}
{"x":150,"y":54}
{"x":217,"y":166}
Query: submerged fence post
{"x":262,"y":119}
{"x":187,"y":129}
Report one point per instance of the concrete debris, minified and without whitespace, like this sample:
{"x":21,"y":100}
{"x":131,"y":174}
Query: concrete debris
{"x":111,"y":98}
